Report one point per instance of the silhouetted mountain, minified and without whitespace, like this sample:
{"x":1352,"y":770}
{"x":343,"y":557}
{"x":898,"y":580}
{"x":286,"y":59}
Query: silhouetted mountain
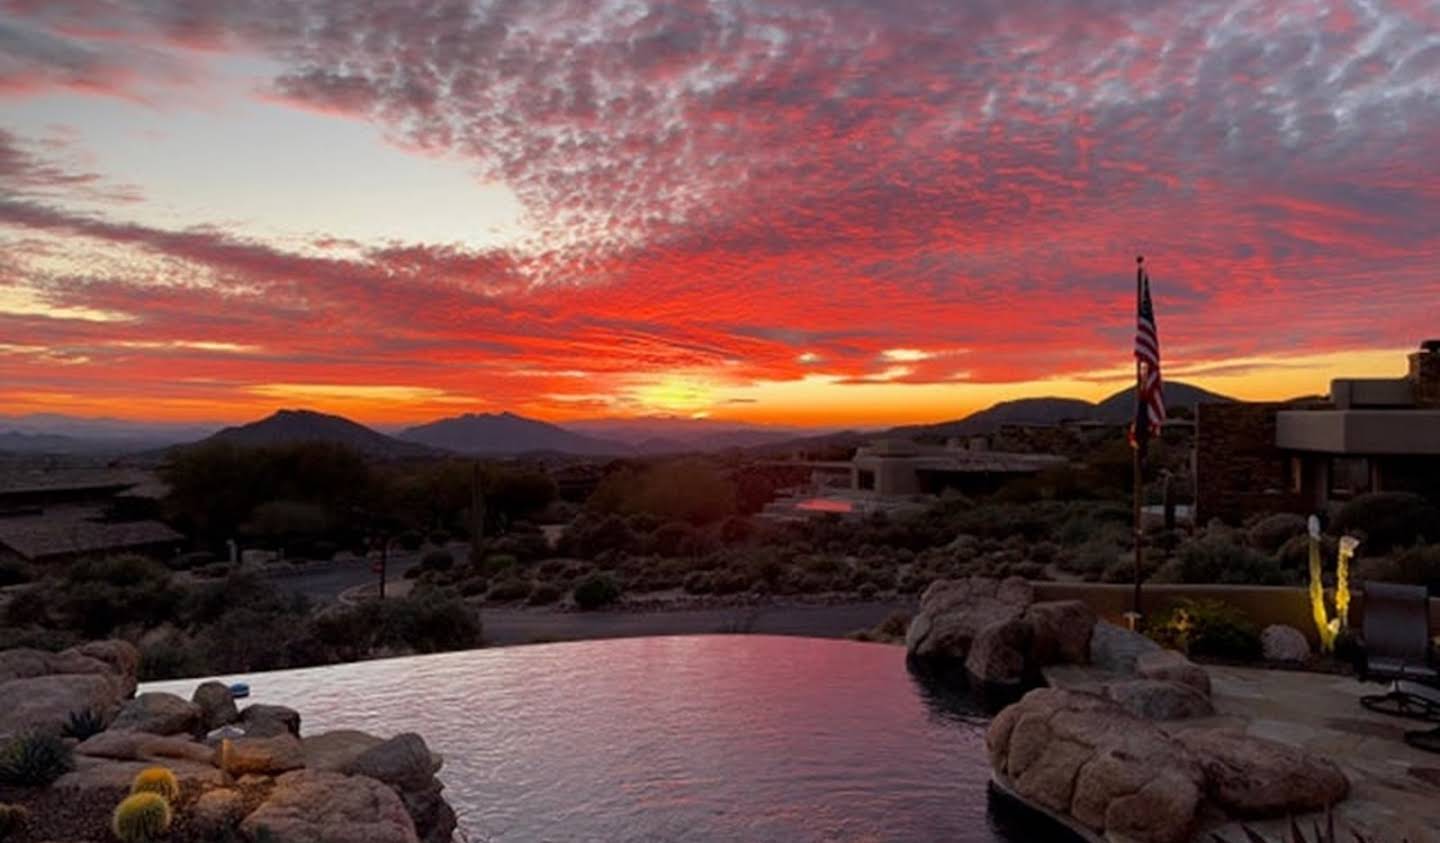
{"x":670,"y":434}
{"x":290,"y":427}
{"x":1120,"y":407}
{"x":56,"y":433}
{"x":507,"y":433}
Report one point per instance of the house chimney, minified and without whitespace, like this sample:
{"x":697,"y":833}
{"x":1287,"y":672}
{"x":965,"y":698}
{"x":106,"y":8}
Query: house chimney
{"x":1425,"y":373}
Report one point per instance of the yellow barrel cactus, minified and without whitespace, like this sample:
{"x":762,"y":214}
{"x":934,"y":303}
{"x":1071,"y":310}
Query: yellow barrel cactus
{"x":156,"y":780}
{"x":142,"y":818}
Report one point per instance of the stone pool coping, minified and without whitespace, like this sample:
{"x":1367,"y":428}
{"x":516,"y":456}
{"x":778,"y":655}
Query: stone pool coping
{"x":1395,"y":788}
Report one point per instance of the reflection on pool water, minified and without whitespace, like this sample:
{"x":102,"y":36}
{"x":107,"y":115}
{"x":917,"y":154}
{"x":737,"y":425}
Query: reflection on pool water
{"x":705,"y":738}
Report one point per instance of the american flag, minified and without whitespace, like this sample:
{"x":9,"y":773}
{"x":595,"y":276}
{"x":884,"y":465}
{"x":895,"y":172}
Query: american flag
{"x":1150,"y":394}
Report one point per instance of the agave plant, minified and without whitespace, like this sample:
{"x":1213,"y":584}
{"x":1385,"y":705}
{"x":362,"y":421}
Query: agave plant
{"x":1317,"y":835}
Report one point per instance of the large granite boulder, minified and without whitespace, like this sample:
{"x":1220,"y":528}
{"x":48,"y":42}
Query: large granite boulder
{"x":1254,"y":777}
{"x":107,"y":774}
{"x":405,"y":763}
{"x":121,"y":656}
{"x":1116,"y":649}
{"x":953,"y":612}
{"x":998,"y":654}
{"x":217,"y":811}
{"x":45,"y":703}
{"x":142,"y":746}
{"x":309,"y":806}
{"x":264,"y":756}
{"x":1281,"y":643}
{"x":216,"y":704}
{"x":1060,"y":632}
{"x":1084,"y":756}
{"x":262,"y":721}
{"x":336,"y":751}
{"x":158,"y":713}
{"x":1173,"y":666}
{"x":1157,"y":699}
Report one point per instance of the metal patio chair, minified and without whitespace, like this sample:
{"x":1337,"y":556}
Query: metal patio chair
{"x":1395,"y":648}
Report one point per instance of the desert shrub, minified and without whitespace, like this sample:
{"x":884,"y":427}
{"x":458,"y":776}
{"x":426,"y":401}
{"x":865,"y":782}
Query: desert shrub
{"x":430,"y":623}
{"x":1091,"y":558}
{"x":1271,"y":533}
{"x":669,"y":539}
{"x":83,"y":723}
{"x":1294,"y":554}
{"x":171,"y":659}
{"x":1217,"y":558}
{"x":596,"y":591}
{"x":509,"y":589}
{"x":1211,"y":628}
{"x":214,"y":571}
{"x":12,"y":819}
{"x":729,"y":582}
{"x":141,"y":818}
{"x":543,"y":594}
{"x":34,"y":760}
{"x":437,"y":560}
{"x":1044,"y":553}
{"x":1418,"y":565}
{"x":867,"y":591}
{"x":14,"y":572}
{"x":156,"y":780}
{"x":698,"y":582}
{"x":1386,"y":520}
{"x":99,"y":595}
{"x":589,"y":537}
{"x":737,"y":529}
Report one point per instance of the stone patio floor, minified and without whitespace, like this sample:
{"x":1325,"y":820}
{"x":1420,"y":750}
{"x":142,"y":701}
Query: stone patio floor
{"x":1395,"y":789}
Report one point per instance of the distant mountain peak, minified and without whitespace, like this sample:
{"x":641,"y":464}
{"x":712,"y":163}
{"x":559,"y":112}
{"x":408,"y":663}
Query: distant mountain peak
{"x":289,"y":426}
{"x":506,"y":433}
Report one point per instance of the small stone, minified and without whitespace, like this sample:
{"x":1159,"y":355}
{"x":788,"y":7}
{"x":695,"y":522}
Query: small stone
{"x":218,"y":809}
{"x":1281,"y":643}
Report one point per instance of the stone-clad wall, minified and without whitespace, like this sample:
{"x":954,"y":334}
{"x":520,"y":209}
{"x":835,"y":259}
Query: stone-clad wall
{"x":1238,"y":470}
{"x":1425,"y":375}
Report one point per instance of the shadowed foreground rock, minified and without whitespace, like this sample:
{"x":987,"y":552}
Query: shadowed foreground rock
{"x":309,"y":806}
{"x":40,"y":691}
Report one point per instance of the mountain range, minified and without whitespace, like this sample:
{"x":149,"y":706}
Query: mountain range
{"x":507,"y":434}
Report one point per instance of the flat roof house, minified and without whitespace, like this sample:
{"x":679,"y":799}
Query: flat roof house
{"x":1369,"y":435}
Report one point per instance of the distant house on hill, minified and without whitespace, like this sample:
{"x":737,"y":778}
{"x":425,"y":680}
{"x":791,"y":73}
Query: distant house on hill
{"x":1368,"y":435}
{"x":57,"y":516}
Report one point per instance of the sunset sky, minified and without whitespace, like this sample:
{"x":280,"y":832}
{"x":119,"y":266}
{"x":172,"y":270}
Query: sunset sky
{"x":827,"y":212}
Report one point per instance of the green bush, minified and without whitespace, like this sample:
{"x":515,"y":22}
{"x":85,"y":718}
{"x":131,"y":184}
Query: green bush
{"x":1418,"y":565}
{"x":1386,"y":520}
{"x":698,"y":582}
{"x":1271,"y":533}
{"x":509,"y":589}
{"x":544,"y":594}
{"x":99,"y":595}
{"x":1217,"y":558}
{"x":34,"y":760}
{"x":1211,"y":628}
{"x":437,"y":560}
{"x":596,"y":591}
{"x":141,"y":818}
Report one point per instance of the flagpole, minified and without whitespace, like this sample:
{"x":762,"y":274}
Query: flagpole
{"x":1139,"y":477}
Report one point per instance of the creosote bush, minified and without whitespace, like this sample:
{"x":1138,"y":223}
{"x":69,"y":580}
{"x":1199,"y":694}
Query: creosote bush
{"x":1211,"y":628}
{"x":156,"y":780}
{"x":596,"y":591}
{"x":141,"y":818}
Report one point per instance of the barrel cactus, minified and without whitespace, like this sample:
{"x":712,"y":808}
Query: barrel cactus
{"x":141,"y":818}
{"x":156,"y":780}
{"x":12,"y":819}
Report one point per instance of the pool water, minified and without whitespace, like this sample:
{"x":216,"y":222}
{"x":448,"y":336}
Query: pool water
{"x":699,"y":738}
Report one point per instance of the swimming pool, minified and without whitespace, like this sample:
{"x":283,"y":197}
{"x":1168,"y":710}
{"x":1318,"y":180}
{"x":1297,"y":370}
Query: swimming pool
{"x":696,"y":738}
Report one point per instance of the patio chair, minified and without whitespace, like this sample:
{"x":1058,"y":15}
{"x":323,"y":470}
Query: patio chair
{"x":1426,"y":739}
{"x":1395,"y":648}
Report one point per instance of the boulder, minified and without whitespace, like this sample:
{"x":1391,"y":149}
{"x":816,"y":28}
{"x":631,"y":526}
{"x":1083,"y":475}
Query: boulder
{"x":45,"y":703}
{"x":262,"y":720}
{"x":266,"y":756}
{"x":997,"y":655}
{"x":218,"y":810}
{"x":311,"y":806}
{"x":1281,"y":643}
{"x":1084,"y":756}
{"x":953,"y":612}
{"x":1254,"y":777}
{"x":1117,"y":649}
{"x":115,"y":659}
{"x":1060,"y":632}
{"x":1157,"y":699}
{"x":93,"y":773}
{"x":405,"y":763}
{"x":142,"y":746}
{"x":336,"y":751}
{"x":216,"y":704}
{"x":1173,"y":666}
{"x":158,"y":713}
{"x":121,"y":656}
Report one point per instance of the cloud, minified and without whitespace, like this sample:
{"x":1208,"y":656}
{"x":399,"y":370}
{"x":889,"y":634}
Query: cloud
{"x":742,"y":192}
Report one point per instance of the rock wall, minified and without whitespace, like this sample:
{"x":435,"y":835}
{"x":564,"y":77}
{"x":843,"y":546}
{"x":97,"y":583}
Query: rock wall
{"x":1238,"y":469}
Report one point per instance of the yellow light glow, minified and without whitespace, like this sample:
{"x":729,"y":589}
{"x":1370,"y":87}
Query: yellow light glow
{"x":676,"y":394}
{"x":1323,"y":626}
